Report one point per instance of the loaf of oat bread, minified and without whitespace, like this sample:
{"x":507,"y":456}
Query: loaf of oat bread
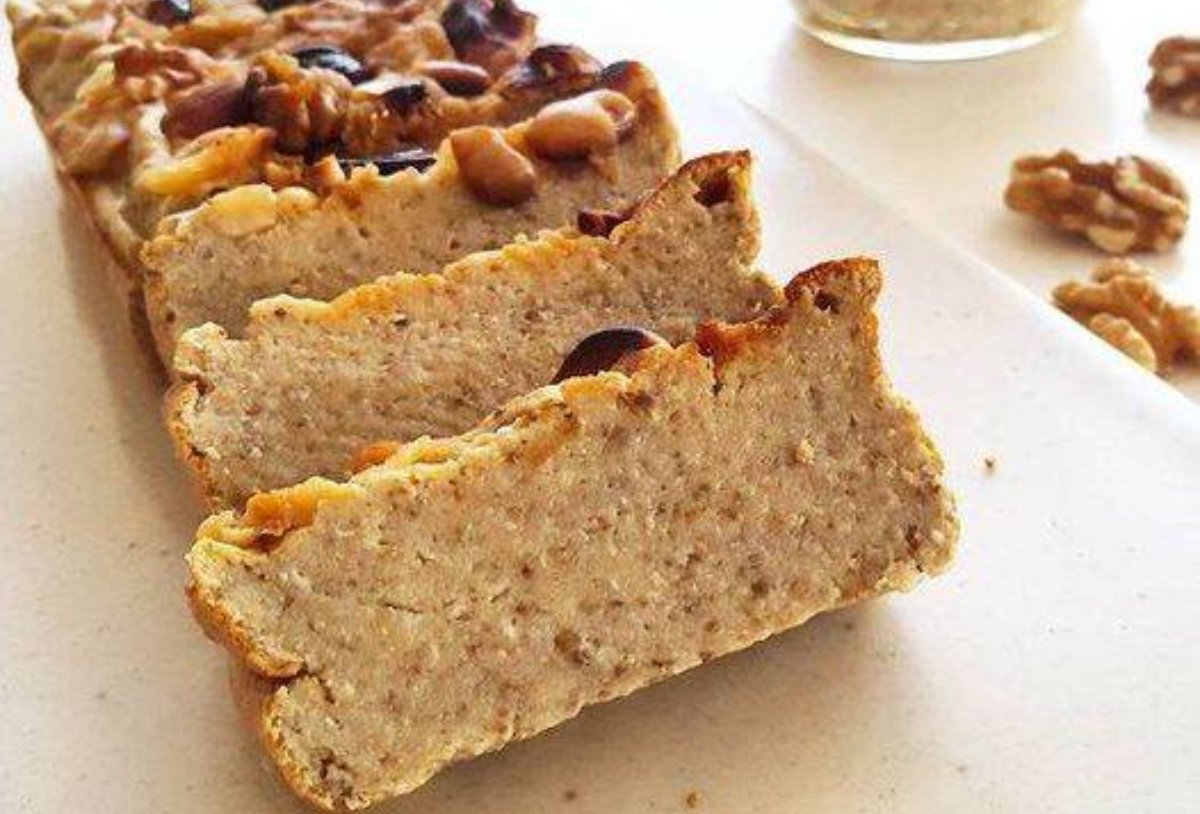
{"x":212,"y":262}
{"x":587,"y":540}
{"x":154,"y":108}
{"x":313,"y":383}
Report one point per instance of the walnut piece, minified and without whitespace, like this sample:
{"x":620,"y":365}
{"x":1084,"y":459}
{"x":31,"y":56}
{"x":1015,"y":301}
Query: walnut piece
{"x":495,"y":171}
{"x":92,"y":134}
{"x":306,"y":107}
{"x":1122,"y":335}
{"x":1175,"y":84}
{"x":1123,"y":305}
{"x":1124,"y":205}
{"x":219,"y":159}
{"x":576,"y":128}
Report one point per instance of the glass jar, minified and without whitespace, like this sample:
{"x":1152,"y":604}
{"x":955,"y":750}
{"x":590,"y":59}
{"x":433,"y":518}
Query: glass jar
{"x":935,"y":29}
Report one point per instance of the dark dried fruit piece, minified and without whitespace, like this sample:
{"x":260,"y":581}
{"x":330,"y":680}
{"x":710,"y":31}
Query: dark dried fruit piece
{"x":604,"y":349}
{"x":458,"y":78}
{"x":493,"y":34}
{"x":599,"y":222}
{"x":169,"y":12}
{"x":405,"y":95}
{"x":714,"y":190}
{"x":207,"y":107}
{"x":332,"y":58}
{"x":564,"y":68}
{"x":275,"y":5}
{"x":416,"y":159}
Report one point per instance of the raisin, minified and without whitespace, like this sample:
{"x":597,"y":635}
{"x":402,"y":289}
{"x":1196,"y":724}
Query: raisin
{"x":169,"y":12}
{"x":599,"y":222}
{"x":603,"y":349}
{"x":413,"y":158}
{"x":332,"y":58}
{"x":493,"y":34}
{"x":404,"y":96}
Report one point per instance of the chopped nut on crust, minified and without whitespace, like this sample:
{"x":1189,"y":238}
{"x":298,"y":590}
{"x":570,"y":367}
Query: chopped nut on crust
{"x":1175,"y":84}
{"x":576,"y":128}
{"x":1125,"y":205}
{"x":243,"y":210}
{"x":220,"y":159}
{"x":495,"y":171}
{"x":1124,"y":306}
{"x":306,"y":107}
{"x":92,"y":134}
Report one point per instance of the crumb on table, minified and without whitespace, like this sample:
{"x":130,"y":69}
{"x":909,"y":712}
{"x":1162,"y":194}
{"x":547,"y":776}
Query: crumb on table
{"x":692,"y":799}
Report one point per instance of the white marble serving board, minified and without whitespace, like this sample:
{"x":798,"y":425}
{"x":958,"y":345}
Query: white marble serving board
{"x":1055,"y":669}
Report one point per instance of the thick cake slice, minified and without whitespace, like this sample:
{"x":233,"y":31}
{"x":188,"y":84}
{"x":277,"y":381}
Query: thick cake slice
{"x":587,"y":540}
{"x":313,"y":382}
{"x":485,"y":187}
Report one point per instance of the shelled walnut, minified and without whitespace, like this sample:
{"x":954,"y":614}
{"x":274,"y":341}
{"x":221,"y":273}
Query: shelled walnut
{"x":1122,"y":305}
{"x":1175,"y":84}
{"x":1129,"y":204}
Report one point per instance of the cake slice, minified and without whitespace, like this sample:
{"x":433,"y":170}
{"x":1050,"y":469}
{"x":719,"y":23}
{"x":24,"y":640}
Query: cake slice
{"x":267,"y":148}
{"x":211,"y":263}
{"x":587,"y":540}
{"x":313,"y":383}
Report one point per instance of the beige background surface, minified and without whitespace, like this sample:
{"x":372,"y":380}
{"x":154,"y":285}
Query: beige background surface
{"x":1055,"y":669}
{"x":936,"y":140}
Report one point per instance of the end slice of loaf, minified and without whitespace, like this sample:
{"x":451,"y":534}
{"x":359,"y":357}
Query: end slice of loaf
{"x":198,"y":270}
{"x":313,"y":383}
{"x":588,"y":540}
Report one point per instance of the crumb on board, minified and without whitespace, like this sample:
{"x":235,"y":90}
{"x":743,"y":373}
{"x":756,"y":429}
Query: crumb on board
{"x":989,"y":463}
{"x":692,"y":799}
{"x":570,"y":794}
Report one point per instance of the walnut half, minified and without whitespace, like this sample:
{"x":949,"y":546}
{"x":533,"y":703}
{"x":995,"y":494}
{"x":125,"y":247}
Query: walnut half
{"x":1123,"y":305}
{"x":1175,"y":84}
{"x":1129,"y":204}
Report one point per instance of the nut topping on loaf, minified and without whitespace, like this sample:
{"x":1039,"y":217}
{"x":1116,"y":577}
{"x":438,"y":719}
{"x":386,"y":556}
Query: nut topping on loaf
{"x":482,"y":191}
{"x":148,"y":109}
{"x":587,"y":540}
{"x":312,"y":383}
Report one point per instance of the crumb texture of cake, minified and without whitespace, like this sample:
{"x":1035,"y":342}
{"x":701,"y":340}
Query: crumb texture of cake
{"x":313,"y":383}
{"x":208,"y":266}
{"x":587,"y":540}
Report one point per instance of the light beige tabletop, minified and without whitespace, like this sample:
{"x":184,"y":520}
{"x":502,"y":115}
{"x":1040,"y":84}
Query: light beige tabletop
{"x":935,"y":140}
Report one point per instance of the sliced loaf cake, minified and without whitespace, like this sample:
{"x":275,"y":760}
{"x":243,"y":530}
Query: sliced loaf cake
{"x":484,"y":187}
{"x":313,"y":383}
{"x":587,"y":540}
{"x":267,"y":148}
